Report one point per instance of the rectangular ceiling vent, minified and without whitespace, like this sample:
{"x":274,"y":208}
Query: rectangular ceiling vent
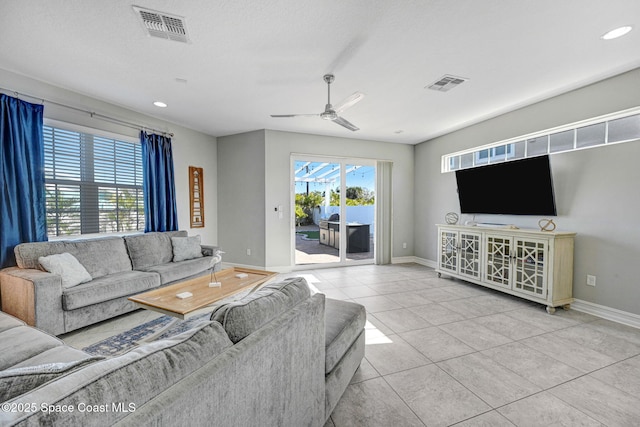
{"x":163,"y":25}
{"x":447,"y":82}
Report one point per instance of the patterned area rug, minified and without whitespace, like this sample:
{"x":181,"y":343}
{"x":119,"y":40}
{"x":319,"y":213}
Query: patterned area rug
{"x":119,"y":344}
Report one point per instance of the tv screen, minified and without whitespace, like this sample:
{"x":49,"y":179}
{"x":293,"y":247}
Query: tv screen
{"x":518,"y":187}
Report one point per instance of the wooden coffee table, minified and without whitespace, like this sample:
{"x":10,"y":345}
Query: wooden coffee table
{"x":164,"y":300}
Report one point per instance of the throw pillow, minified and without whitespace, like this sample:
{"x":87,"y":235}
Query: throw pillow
{"x":185,"y":248}
{"x":242,"y":318}
{"x":66,"y":266}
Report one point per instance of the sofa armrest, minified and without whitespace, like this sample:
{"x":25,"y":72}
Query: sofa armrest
{"x":34,"y":296}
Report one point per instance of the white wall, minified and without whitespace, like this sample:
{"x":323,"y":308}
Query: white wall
{"x":596,"y":189}
{"x":279,"y":148}
{"x":190,"y":148}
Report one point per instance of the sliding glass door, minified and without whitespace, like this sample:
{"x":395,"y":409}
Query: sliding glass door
{"x":360,"y":211}
{"x":334,"y":205}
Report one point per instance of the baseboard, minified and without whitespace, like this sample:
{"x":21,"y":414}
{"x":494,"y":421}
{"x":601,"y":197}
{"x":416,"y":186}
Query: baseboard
{"x":607,"y":313}
{"x":403,"y":260}
{"x":425,"y":262}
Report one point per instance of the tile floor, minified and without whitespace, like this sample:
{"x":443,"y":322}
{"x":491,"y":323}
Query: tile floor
{"x":443,"y":352}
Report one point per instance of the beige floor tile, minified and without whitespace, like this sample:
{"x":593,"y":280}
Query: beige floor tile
{"x":475,"y":335}
{"x":489,"y":381}
{"x":365,"y":372}
{"x":335,"y":293}
{"x":598,"y":340}
{"x":436,"y":344}
{"x":439,"y":295}
{"x":436,"y":314}
{"x":468,"y":308}
{"x":538,"y":368}
{"x":488,"y":419}
{"x":378,"y":303}
{"x":373,"y":323}
{"x":409,"y":299}
{"x":509,"y":327}
{"x":435,"y":397}
{"x":359,"y":291}
{"x":402,"y":320}
{"x":569,"y":352}
{"x":605,"y":403}
{"x":373,"y":403}
{"x":623,"y":375}
{"x":538,"y":317}
{"x":544,"y":409}
{"x":394,"y":355}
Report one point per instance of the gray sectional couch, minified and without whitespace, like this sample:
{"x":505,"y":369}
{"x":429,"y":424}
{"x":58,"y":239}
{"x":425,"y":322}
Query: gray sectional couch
{"x":281,"y":356}
{"x":119,"y":267}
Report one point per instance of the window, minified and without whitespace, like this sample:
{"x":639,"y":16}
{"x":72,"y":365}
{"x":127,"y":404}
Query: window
{"x":623,"y":126}
{"x":93,"y":183}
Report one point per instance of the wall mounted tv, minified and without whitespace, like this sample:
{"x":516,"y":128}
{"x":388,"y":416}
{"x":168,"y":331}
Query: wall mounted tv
{"x":518,"y":187}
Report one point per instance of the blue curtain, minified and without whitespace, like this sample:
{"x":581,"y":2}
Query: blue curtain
{"x":23,"y":215}
{"x":160,"y":213}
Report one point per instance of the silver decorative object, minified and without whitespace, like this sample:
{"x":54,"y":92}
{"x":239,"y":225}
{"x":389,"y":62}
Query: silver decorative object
{"x":451,"y":218}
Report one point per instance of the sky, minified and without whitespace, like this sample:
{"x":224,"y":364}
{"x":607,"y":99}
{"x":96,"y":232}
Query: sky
{"x":363,"y":177}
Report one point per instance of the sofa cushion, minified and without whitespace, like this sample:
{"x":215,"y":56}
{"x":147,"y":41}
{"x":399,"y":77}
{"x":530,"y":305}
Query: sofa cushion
{"x":152,"y":248}
{"x":135,"y":377}
{"x":185,"y":248}
{"x":108,"y":288}
{"x":21,"y":379}
{"x":102,"y":256}
{"x":60,"y":354}
{"x":173,"y":271}
{"x":344,"y":322}
{"x":22,"y":343}
{"x":67,"y":267}
{"x":243,"y":317}
{"x":7,"y":322}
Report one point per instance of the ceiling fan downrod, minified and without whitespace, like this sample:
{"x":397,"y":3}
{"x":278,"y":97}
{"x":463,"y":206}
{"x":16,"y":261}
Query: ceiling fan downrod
{"x":329,"y":113}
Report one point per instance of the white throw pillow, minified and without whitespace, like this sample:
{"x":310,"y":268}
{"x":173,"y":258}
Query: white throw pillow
{"x":186,"y":248}
{"x":66,"y":266}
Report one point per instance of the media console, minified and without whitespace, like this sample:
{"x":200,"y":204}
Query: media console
{"x":531,"y":264}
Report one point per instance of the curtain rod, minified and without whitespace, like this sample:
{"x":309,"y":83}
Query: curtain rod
{"x":93,"y":114}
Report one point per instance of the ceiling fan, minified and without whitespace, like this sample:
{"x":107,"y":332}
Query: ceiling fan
{"x":331,"y":111}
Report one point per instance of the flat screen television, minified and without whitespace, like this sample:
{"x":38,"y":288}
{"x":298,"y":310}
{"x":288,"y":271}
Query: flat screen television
{"x":518,"y":187}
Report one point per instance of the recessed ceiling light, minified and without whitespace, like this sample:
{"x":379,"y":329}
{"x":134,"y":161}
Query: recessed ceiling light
{"x":617,"y":32}
{"x":160,"y":104}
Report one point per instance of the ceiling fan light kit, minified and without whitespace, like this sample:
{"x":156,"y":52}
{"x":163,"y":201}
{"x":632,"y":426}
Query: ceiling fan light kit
{"x":331,"y":112}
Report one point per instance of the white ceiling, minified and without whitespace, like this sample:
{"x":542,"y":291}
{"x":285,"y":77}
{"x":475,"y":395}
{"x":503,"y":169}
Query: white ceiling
{"x":249,"y":59}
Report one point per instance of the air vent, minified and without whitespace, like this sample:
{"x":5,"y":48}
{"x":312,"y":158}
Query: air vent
{"x":163,"y":25}
{"x":447,"y":82}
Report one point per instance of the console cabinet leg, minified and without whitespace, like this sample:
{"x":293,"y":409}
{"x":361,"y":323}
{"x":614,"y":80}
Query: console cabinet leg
{"x":551,"y":309}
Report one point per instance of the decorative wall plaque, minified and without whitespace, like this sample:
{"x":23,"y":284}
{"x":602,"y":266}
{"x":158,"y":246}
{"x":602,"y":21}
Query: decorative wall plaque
{"x":196,"y":196}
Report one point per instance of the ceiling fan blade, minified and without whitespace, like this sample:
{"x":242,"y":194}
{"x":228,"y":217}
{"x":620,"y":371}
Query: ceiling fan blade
{"x":348,"y":102}
{"x":346,"y":123}
{"x":295,"y":115}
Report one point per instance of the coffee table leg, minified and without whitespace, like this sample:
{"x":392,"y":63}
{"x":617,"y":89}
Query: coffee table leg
{"x":159,"y":332}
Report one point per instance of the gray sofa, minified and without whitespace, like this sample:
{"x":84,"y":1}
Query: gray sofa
{"x":119,"y":267}
{"x":277,"y":357}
